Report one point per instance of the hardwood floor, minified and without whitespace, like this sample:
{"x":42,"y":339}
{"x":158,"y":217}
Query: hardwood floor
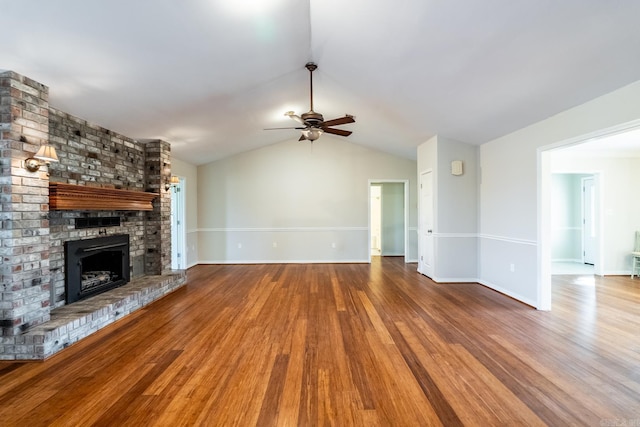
{"x":344,"y":344}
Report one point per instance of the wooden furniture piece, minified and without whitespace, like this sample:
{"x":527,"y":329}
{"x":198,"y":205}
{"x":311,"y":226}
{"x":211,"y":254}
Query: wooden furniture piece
{"x":79,"y":197}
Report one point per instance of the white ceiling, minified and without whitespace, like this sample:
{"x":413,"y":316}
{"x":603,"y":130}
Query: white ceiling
{"x":209,"y":75}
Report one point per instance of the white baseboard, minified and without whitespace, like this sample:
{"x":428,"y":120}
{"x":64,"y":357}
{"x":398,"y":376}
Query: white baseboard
{"x":287,"y":261}
{"x":513,"y":295}
{"x":579,"y":261}
{"x":455,"y":280}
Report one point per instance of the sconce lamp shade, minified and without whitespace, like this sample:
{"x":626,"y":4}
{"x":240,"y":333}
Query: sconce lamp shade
{"x":46,"y":153}
{"x":171,"y":182}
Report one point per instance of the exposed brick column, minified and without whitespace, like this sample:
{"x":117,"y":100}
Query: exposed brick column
{"x":24,"y":196}
{"x":158,"y":222}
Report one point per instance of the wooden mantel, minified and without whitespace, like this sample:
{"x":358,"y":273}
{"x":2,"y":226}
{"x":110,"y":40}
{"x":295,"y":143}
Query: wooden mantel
{"x":79,"y":197}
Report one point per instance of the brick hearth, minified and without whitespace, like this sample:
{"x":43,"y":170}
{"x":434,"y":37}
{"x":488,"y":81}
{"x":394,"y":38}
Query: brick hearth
{"x":33,"y":314}
{"x":71,"y":323}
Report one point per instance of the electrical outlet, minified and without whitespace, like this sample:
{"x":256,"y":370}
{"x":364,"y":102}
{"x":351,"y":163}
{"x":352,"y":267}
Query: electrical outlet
{"x":239,"y":245}
{"x":275,"y":244}
{"x":512,"y":267}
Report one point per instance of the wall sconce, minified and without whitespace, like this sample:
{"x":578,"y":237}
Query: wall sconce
{"x":45,"y":155}
{"x":456,"y":167}
{"x":171,"y":182}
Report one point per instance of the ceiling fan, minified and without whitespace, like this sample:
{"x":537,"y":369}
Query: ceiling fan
{"x":313,"y":123}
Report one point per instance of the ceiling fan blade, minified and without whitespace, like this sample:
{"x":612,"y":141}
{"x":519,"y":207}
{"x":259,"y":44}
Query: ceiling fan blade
{"x":281,"y":128}
{"x":337,"y":131}
{"x":341,"y":121}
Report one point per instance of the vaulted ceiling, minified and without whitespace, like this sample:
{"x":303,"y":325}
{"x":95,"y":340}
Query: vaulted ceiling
{"x":209,"y":75}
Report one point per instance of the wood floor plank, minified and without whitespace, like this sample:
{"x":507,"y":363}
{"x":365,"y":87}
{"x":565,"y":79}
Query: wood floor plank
{"x":344,"y":344}
{"x":289,"y":404}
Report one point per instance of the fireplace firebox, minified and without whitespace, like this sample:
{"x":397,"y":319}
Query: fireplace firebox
{"x":96,"y":265}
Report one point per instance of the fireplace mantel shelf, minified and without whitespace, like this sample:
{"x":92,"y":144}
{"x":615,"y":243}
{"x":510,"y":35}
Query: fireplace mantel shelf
{"x":79,"y":197}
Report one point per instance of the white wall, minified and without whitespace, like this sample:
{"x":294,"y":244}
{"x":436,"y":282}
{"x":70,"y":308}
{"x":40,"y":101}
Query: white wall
{"x":190,"y":174}
{"x":455,"y":208}
{"x":509,"y":191}
{"x":294,"y":202}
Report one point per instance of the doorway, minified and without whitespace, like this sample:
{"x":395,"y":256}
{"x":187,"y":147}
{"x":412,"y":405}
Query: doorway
{"x":574,"y":228}
{"x":388,"y":209}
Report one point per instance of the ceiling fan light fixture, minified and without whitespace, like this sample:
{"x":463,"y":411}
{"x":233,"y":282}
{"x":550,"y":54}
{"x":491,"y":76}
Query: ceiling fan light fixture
{"x":311,"y":134}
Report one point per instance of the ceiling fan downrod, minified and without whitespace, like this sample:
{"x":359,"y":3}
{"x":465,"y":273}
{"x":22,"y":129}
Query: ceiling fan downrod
{"x":311,"y":67}
{"x":311,"y":118}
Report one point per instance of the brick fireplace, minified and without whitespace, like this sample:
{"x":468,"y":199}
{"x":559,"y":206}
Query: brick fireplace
{"x":33,"y":234}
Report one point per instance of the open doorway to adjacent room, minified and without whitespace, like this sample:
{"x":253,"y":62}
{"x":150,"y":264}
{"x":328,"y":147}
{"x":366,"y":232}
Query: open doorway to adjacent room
{"x":575,"y":238}
{"x":584,"y":193}
{"x":388,"y":207}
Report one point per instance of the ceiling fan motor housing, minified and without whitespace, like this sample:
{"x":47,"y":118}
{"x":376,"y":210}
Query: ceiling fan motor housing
{"x":312,"y":118}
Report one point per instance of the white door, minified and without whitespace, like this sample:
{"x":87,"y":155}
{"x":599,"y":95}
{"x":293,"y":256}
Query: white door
{"x":178,"y":259}
{"x":589,"y":232}
{"x":425,"y":263}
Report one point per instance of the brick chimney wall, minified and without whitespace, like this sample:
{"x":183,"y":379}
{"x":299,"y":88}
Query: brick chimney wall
{"x":158,"y":223}
{"x":32,"y":237}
